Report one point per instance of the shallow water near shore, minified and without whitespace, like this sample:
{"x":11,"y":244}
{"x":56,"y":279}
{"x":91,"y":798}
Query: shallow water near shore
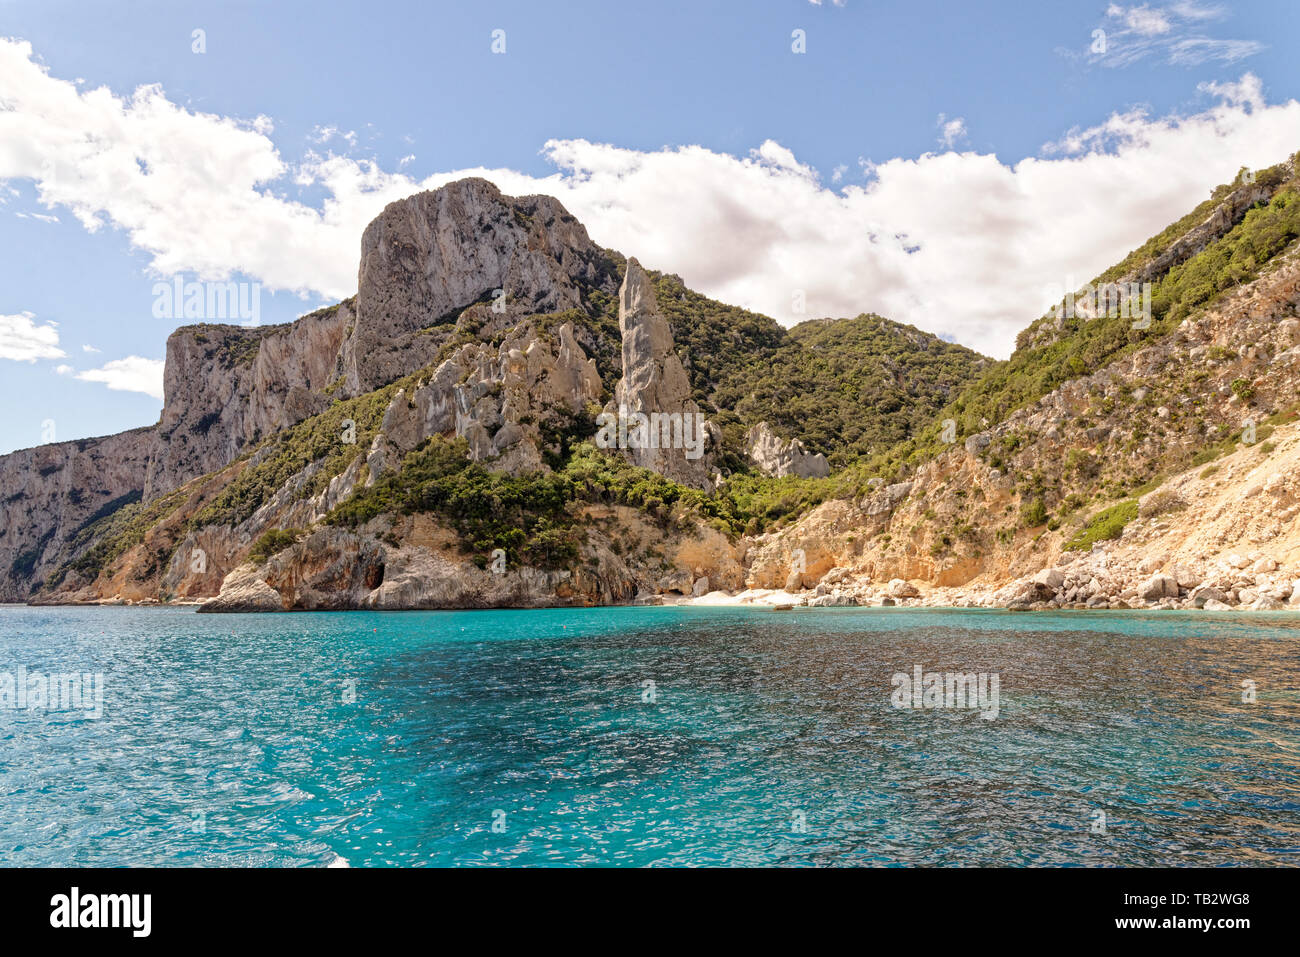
{"x":766,"y":738}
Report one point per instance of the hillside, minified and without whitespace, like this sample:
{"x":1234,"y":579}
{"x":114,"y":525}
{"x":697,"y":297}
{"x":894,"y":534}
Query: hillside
{"x":440,"y":443}
{"x":1094,"y":436}
{"x":469,"y":402}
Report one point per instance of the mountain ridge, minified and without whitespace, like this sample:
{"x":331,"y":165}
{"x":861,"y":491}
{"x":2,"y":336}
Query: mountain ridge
{"x":230,"y":390}
{"x":277,"y":478}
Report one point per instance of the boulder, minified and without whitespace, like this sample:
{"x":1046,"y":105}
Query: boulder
{"x":679,"y":581}
{"x":1204,"y":594}
{"x":1185,"y":576}
{"x":1157,"y":587}
{"x":1053,"y":578}
{"x":244,"y":590}
{"x":898,"y":588}
{"x":835,"y":576}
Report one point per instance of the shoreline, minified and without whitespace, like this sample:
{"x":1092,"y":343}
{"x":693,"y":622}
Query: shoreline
{"x":756,"y":599}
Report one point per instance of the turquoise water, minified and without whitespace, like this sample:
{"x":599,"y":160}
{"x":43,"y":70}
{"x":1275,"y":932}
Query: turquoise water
{"x":771,"y":739}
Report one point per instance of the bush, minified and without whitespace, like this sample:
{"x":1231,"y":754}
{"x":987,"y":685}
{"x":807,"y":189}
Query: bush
{"x":274,"y":540}
{"x":1159,"y":502}
{"x":1104,"y":526}
{"x":1033,"y":514}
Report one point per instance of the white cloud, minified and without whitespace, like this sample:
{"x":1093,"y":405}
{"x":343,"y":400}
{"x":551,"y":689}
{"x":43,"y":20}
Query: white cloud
{"x":323,"y":134}
{"x":63,"y":369}
{"x":951,"y":131}
{"x":962,"y":245}
{"x":22,"y":340}
{"x":1194,"y":51}
{"x":132,"y":374}
{"x":1142,"y":20}
{"x":42,"y":217}
{"x":1131,"y":34}
{"x":88,"y":348}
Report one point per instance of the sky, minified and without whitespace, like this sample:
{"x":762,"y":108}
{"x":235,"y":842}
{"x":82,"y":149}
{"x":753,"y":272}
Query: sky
{"x":953,"y":165}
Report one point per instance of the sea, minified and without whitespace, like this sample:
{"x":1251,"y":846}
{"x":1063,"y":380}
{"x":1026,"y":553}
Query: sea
{"x":648,"y":737}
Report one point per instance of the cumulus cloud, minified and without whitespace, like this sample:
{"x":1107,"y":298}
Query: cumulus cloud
{"x":960,"y":244}
{"x":132,"y":374}
{"x":22,"y":340}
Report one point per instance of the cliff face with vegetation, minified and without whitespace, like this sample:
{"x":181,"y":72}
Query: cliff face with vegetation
{"x":437,"y":428}
{"x":432,"y":442}
{"x":1109,"y":463}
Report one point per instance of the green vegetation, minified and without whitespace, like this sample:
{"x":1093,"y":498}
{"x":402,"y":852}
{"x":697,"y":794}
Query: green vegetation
{"x":1104,"y":526}
{"x":526,"y":515}
{"x":274,"y":540}
{"x":323,"y":438}
{"x":530,"y":516}
{"x":115,"y":531}
{"x":1161,"y":502}
{"x":1033,"y":513}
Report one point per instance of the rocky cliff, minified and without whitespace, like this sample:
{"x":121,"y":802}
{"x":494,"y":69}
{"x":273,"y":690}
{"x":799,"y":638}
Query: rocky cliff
{"x":506,"y":414}
{"x":430,"y":255}
{"x":51,"y":495}
{"x":1165,"y":478}
{"x":657,"y":424}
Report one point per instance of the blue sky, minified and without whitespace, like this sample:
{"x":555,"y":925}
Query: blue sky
{"x":937,"y":162}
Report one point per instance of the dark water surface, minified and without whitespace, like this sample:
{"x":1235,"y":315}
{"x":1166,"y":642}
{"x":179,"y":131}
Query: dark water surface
{"x":771,"y":738}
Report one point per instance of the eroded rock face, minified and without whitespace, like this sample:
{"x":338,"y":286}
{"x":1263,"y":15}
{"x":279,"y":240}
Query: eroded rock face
{"x":779,"y":458}
{"x":495,"y":398}
{"x":436,"y":252}
{"x":655,"y":386}
{"x":50,"y":493}
{"x":228,"y":386}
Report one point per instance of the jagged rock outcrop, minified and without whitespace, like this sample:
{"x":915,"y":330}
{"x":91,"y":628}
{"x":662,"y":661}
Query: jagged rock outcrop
{"x":433,"y":253}
{"x":418,"y":563}
{"x":779,"y":458}
{"x":652,"y":416}
{"x":498,"y":399}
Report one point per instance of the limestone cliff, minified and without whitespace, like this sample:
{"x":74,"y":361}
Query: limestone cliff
{"x":498,"y":399}
{"x":657,"y":424}
{"x":50,"y":495}
{"x":434,"y":253}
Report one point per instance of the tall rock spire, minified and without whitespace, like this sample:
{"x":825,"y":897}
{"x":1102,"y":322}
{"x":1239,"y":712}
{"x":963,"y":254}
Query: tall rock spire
{"x":660,"y":427}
